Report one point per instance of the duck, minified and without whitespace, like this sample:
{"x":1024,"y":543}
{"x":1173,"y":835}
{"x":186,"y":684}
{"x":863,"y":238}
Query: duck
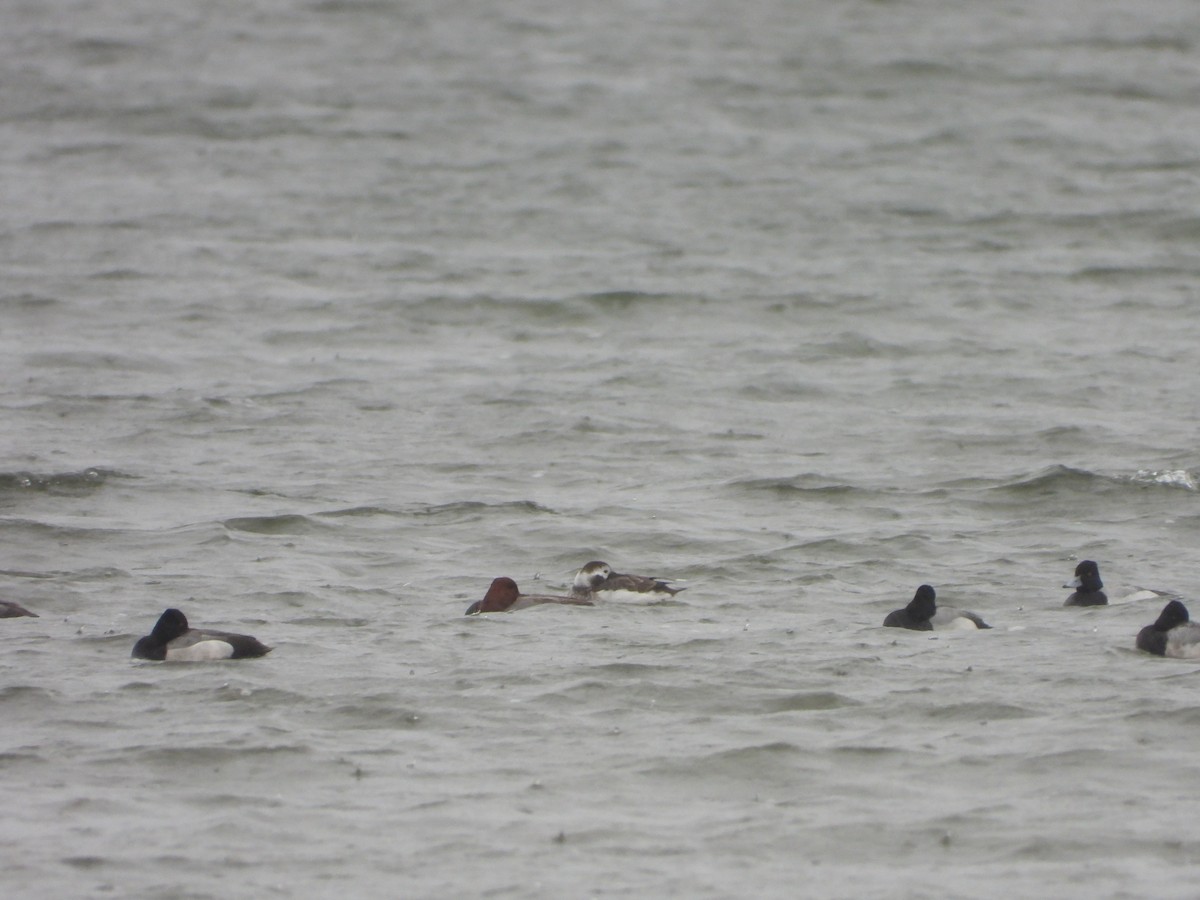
{"x":172,"y":639}
{"x":1087,"y":585}
{"x":597,"y":580}
{"x":503,"y":595}
{"x":11,"y":610}
{"x":923,"y":614}
{"x":1172,"y":634}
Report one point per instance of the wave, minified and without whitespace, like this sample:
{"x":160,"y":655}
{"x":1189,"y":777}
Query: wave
{"x":287,"y":523}
{"x":377,"y":712}
{"x":459,"y":511}
{"x":21,"y":694}
{"x":981,"y":712}
{"x":356,"y":511}
{"x":621,"y":301}
{"x":192,"y":757}
{"x":98,"y":361}
{"x":808,"y":701}
{"x":472,"y":510}
{"x":1178,"y":478}
{"x":770,"y":761}
{"x":1059,"y":478}
{"x":803,"y":484}
{"x":1115,"y":274}
{"x":632,"y":670}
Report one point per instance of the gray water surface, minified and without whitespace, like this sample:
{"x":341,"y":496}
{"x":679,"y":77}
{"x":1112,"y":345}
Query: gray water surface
{"x":317,"y":317}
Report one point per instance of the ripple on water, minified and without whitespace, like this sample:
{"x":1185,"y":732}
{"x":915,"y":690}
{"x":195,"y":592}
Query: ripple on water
{"x":980,"y":712}
{"x":290,"y":523}
{"x":760,"y":762}
{"x":808,"y":701}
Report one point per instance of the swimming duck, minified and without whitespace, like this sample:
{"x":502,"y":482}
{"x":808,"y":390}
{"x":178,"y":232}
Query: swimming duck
{"x":504,"y":596}
{"x":173,"y":640}
{"x":1172,"y":634}
{"x":923,"y":614}
{"x":1087,"y":586}
{"x":598,"y":581}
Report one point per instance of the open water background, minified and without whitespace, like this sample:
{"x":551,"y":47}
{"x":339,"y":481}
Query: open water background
{"x":317,"y":316}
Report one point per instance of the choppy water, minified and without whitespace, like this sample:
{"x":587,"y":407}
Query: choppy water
{"x":317,"y":317}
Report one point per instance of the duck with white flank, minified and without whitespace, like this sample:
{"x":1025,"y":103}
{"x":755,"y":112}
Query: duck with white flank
{"x":1172,"y":634}
{"x":172,"y":639}
{"x":923,"y":614}
{"x":597,"y":581}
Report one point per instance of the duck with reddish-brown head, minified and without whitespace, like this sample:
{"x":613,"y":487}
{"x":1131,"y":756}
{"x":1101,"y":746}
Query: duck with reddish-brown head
{"x":505,"y":596}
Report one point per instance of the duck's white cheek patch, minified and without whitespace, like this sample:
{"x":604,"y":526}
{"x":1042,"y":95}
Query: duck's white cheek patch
{"x":202,"y":651}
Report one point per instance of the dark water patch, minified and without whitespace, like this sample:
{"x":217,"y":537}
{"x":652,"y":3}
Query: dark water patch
{"x":140,"y":686}
{"x":980,"y":712}
{"x":476,"y":510}
{"x":1174,"y":718}
{"x":66,"y":534}
{"x":26,"y":694}
{"x":287,"y":523}
{"x":353,"y":512}
{"x":596,"y":425}
{"x":1185,"y":228}
{"x":594,"y":695}
{"x":116,"y":275}
{"x":756,"y":762}
{"x":1070,"y":435}
{"x":505,"y":312}
{"x":867,"y":751}
{"x":580,"y":691}
{"x":632,"y":670}
{"x":265,"y":697}
{"x":377,"y":712}
{"x":15,"y":758}
{"x":664,"y":602}
{"x":1177,"y":43}
{"x":201,"y":756}
{"x":71,"y":484}
{"x":294,"y":599}
{"x":105,"y":51}
{"x":223,"y":801}
{"x":808,"y":702}
{"x":1082,"y":758}
{"x":623,"y":301}
{"x":853,"y":345}
{"x":776,"y":390}
{"x":86,"y":863}
{"x":731,"y":435}
{"x":358,"y":7}
{"x":700,"y":643}
{"x":93,"y":362}
{"x":903,"y":69}
{"x":1123,"y":274}
{"x":805,"y":485}
{"x":111,"y":638}
{"x":331,"y":622}
{"x":1050,"y":480}
{"x":28,"y":301}
{"x":1064,"y":849}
